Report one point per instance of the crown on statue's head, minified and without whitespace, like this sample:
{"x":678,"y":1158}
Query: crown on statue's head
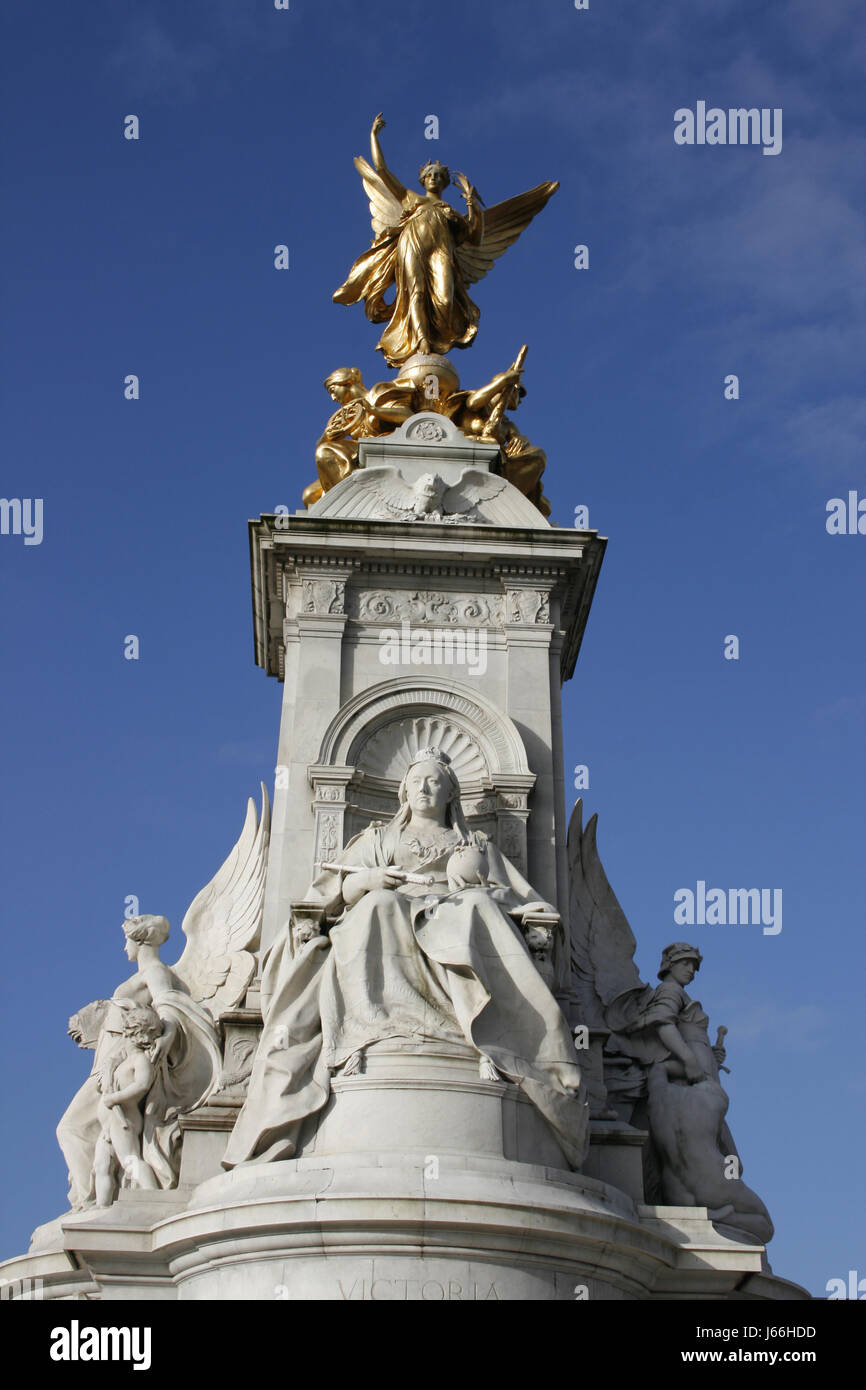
{"x":430,"y":755}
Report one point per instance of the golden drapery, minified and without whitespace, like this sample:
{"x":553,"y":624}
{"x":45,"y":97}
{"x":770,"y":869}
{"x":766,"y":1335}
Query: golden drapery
{"x":431,"y":312}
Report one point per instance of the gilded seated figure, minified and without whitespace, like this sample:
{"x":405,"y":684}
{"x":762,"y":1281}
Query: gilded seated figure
{"x":361,"y":414}
{"x":480,"y":414}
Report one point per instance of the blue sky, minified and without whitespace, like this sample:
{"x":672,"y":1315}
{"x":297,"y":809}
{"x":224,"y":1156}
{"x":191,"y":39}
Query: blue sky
{"x":155,"y":257}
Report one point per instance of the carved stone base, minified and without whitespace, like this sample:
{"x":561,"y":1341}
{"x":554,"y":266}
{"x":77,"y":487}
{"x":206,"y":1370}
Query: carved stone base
{"x":356,"y":1228}
{"x":616,"y":1156}
{"x":421,"y":1182}
{"x":205,"y":1135}
{"x":429,"y":1100}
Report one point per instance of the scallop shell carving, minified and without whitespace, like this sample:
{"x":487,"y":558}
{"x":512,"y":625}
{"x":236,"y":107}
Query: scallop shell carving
{"x":389,"y":751}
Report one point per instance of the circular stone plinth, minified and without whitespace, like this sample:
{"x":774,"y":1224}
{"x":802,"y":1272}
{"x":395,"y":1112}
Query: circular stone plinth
{"x":431,"y":1229}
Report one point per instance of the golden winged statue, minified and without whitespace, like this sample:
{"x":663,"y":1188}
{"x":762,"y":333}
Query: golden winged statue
{"x":429,"y":252}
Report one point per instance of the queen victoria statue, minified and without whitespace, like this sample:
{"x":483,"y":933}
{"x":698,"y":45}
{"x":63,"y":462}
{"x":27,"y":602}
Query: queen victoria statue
{"x":425,"y":945}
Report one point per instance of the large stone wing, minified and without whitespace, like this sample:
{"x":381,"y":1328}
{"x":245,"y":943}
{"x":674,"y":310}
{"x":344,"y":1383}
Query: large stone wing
{"x":503,"y":224}
{"x":602,"y":942}
{"x":223,"y":922}
{"x":474,"y":486}
{"x":385,"y":209}
{"x":379,"y":493}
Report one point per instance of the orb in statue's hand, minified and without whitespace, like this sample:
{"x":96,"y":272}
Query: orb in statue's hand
{"x":466,"y":865}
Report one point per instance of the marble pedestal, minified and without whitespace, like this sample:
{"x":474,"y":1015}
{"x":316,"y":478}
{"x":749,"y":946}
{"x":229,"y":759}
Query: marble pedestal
{"x":421,"y":1182}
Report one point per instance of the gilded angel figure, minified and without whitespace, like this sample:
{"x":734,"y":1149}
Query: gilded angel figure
{"x":430,"y":253}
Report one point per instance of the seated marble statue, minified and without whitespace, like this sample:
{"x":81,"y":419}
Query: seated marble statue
{"x":426,"y":947}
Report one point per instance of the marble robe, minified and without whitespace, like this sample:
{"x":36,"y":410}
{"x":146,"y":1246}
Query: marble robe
{"x":419,"y":963}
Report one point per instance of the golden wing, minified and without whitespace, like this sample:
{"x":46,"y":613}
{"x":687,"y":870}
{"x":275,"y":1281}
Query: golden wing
{"x":385,"y":209}
{"x":503,"y":224}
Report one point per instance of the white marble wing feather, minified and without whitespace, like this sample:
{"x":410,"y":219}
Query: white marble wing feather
{"x":396,"y":495}
{"x":375,"y":492}
{"x":474,"y":486}
{"x":223,"y":922}
{"x":602,"y":942}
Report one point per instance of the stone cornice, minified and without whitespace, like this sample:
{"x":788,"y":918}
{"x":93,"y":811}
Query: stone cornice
{"x":562,"y":563}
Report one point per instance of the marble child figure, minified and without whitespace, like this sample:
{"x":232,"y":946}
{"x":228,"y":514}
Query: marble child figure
{"x":441,"y":959}
{"x":124,"y":1086}
{"x":184,"y":1060}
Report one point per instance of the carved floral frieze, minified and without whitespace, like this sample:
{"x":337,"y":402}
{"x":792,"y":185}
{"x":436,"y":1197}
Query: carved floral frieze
{"x":428,"y":606}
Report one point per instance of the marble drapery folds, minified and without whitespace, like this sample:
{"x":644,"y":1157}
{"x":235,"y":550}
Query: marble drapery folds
{"x":184,"y":1077}
{"x":421,"y":962}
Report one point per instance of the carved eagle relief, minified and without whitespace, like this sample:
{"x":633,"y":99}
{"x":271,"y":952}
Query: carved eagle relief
{"x":382,"y":494}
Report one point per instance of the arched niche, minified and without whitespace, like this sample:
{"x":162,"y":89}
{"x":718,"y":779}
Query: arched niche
{"x":368,"y":746}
